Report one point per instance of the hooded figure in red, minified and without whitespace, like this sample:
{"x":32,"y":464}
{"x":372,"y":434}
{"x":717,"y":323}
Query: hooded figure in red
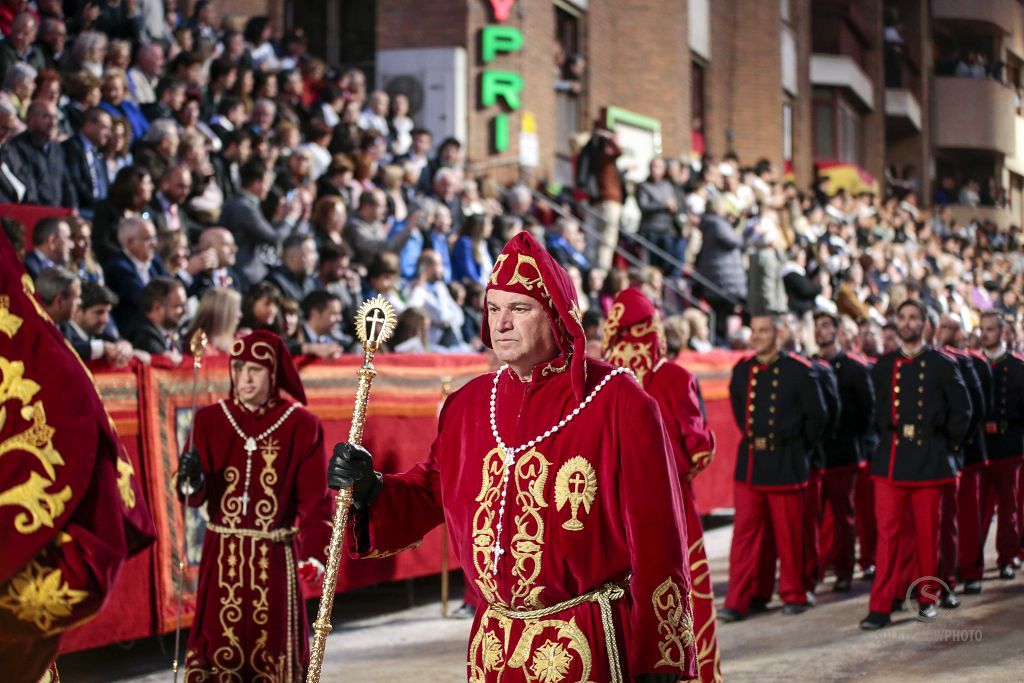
{"x":262,"y":477}
{"x":633,"y":337}
{"x":561,"y":498}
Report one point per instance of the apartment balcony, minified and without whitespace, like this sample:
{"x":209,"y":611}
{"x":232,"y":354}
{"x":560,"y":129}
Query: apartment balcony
{"x":1003,"y":218}
{"x":998,"y":16}
{"x":902,"y":109}
{"x":973,"y":113}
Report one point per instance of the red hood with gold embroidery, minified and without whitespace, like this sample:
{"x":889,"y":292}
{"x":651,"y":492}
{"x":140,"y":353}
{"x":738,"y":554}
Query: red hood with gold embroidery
{"x":525,"y":267}
{"x":632,"y":336}
{"x":268,"y":349}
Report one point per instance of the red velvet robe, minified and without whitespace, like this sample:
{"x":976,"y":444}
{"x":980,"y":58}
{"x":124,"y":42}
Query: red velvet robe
{"x":595,"y":503}
{"x":693,"y":444}
{"x":250,"y":621}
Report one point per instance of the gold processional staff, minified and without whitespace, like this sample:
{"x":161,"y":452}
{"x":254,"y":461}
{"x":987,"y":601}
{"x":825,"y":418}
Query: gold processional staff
{"x":375,"y":321}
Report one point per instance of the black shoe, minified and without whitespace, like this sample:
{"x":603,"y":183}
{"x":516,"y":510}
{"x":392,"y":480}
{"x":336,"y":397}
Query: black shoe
{"x":869,"y":574}
{"x":729,"y":615}
{"x":758,"y":605}
{"x":927,"y":612}
{"x":949,"y":600}
{"x":842,"y":585}
{"x":897,"y":605}
{"x":1006,"y":572}
{"x":972,"y":588}
{"x":811,"y":600}
{"x":791,"y":608}
{"x":875,"y":620}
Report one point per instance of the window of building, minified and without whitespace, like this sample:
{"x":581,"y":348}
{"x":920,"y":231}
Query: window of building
{"x":837,"y":127}
{"x":697,"y":92}
{"x":787,"y":131}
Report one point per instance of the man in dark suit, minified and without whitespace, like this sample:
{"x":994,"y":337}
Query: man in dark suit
{"x":170,"y":96}
{"x":321,"y":316}
{"x":155,"y":327}
{"x":236,"y":149}
{"x":166,"y":208}
{"x":37,"y":159}
{"x":132,"y":268}
{"x":257,"y":238}
{"x":294,"y":277}
{"x":222,"y":242}
{"x":87,"y":170}
{"x":86,"y":330}
{"x":17,"y":45}
{"x":51,"y":245}
{"x":60,"y":291}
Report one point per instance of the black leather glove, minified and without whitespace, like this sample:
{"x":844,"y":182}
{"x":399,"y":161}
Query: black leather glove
{"x":352,"y":465}
{"x":657,"y":678}
{"x":191,"y":478}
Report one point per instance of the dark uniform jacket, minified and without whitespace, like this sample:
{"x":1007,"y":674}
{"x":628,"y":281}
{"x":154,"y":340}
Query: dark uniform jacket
{"x":845,"y":446}
{"x":781,"y":414}
{"x":829,"y":386}
{"x":975,"y":448}
{"x":1004,"y":428}
{"x":979,"y":405}
{"x":923,"y":415}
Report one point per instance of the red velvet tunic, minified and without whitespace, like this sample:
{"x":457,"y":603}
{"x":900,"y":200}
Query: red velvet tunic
{"x":597,"y":502}
{"x":250,"y":621}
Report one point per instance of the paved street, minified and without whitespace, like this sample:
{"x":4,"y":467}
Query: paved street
{"x":379,"y":639}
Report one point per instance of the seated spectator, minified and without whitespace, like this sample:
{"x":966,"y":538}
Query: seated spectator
{"x":257,"y":238}
{"x":295,"y":276}
{"x":51,"y":245}
{"x":87,"y":169}
{"x":82,"y":90}
{"x":374,"y":118}
{"x":236,"y":149}
{"x":698,"y":332}
{"x":83,"y":261}
{"x":230,"y":117}
{"x":473,"y":312}
{"x":429,"y":292}
{"x":566,"y":242}
{"x":321,"y":325}
{"x":221,"y":78}
{"x":447,"y":185}
{"x":48,"y":90}
{"x":222,"y":275}
{"x":471,"y":261}
{"x":338,"y":278}
{"x":145,"y":75}
{"x":154,"y":327}
{"x":174,"y":252}
{"x":167,"y":210}
{"x":264,"y":112}
{"x":318,"y":136}
{"x":400,"y":126}
{"x":61,"y":292}
{"x":169,"y":97}
{"x":114,"y":90}
{"x":17,"y":46}
{"x":261,"y":308}
{"x":367,"y":232}
{"x":338,"y":180}
{"x":19,"y":84}
{"x":35,"y":158}
{"x":218,"y":315}
{"x":159,"y":147}
{"x":132,"y":267}
{"x":411,"y":332}
{"x":87,"y":329}
{"x":88,"y":53}
{"x":129,"y":195}
{"x":328,"y":220}
{"x":382,"y":279}
{"x":118,"y":152}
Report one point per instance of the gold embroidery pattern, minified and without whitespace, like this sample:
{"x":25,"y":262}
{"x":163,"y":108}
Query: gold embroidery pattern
{"x":528,"y":281}
{"x":124,"y":482}
{"x":706,"y":639}
{"x":611,"y":324}
{"x":484,"y":524}
{"x":498,"y":262}
{"x":527,"y":545}
{"x":675,"y":624}
{"x":633,"y":355}
{"x":378,"y":554}
{"x":574,"y":311}
{"x":40,"y":595}
{"x":549,"y":662}
{"x":575,"y":484}
{"x":41,"y":507}
{"x":552,"y":369}
{"x":9,"y":323}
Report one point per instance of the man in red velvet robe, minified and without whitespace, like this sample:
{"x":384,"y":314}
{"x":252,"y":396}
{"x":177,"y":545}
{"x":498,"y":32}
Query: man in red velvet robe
{"x":258,"y":464}
{"x":560,"y":494}
{"x":633,"y":338}
{"x":71,"y":504}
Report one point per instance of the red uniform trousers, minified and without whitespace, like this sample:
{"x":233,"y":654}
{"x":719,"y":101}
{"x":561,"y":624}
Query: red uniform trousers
{"x":1000,"y":490}
{"x":759,"y":513}
{"x":969,"y":557}
{"x":895,"y":506}
{"x":837,"y":548}
{"x":812,"y":531}
{"x":864,"y":512}
{"x":948,"y":533}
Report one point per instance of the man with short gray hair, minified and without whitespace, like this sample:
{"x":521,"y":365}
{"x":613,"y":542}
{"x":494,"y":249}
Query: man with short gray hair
{"x":131,"y":269}
{"x":18,"y":46}
{"x":38,"y":160}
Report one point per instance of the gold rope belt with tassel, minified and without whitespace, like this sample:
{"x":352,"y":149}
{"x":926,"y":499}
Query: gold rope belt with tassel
{"x":274,"y":535}
{"x":603,"y":596}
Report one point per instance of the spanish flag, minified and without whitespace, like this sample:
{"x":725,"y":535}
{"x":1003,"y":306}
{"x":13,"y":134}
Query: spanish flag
{"x":71,"y":504}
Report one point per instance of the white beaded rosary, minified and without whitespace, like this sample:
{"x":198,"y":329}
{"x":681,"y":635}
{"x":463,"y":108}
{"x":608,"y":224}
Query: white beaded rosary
{"x":250,"y":444}
{"x":511,"y":453}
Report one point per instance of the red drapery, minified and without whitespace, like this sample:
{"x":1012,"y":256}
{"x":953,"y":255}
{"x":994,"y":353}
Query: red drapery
{"x":151,"y":409}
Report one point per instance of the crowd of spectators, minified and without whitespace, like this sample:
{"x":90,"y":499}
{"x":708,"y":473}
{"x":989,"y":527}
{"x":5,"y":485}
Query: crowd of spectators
{"x":224,"y":179}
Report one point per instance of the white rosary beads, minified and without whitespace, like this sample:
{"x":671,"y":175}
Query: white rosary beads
{"x":250,"y":444}
{"x":511,"y":453}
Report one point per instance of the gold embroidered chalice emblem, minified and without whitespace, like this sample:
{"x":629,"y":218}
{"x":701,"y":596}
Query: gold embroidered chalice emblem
{"x":575,"y":484}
